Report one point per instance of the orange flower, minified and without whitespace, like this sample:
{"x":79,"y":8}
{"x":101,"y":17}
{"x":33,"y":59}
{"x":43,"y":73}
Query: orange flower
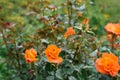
{"x":85,"y":21}
{"x":70,"y":31}
{"x":108,"y":64}
{"x":30,"y":55}
{"x":113,"y":28}
{"x":52,"y":54}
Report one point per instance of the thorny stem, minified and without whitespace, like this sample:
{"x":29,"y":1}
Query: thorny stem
{"x":76,"y":53}
{"x":42,"y":3}
{"x":56,"y":66}
{"x":113,"y":41}
{"x":34,"y":70}
{"x":5,"y":41}
{"x":85,"y":49}
{"x":69,"y":12}
{"x":54,"y":34}
{"x":17,"y":58}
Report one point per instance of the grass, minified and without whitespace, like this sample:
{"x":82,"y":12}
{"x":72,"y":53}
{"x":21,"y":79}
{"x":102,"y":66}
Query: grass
{"x":112,"y":8}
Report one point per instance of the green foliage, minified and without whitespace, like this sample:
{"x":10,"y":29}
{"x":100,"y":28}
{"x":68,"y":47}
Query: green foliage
{"x":36,"y":24}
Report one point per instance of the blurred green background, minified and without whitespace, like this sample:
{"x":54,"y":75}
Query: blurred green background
{"x":108,"y":8}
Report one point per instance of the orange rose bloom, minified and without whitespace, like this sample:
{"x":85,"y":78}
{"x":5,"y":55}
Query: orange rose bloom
{"x":108,"y":64}
{"x":30,"y":55}
{"x":70,"y":31}
{"x":113,"y":28}
{"x":52,"y":54}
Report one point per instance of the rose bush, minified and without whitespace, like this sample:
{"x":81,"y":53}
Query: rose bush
{"x":63,"y":41}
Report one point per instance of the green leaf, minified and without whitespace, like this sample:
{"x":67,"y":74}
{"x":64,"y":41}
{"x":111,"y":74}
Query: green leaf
{"x":78,"y":67}
{"x":44,"y":41}
{"x":49,"y":67}
{"x":59,"y":74}
{"x":68,"y":70}
{"x":50,"y":78}
{"x":72,"y":78}
{"x":88,"y":67}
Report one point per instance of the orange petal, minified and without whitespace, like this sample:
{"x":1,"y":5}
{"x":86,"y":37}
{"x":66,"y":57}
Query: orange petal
{"x":99,"y":66}
{"x":28,"y":60}
{"x":113,"y":73}
{"x":111,"y":55}
{"x":33,"y":52}
{"x":113,"y":28}
{"x":56,"y":60}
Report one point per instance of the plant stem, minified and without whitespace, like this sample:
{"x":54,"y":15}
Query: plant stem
{"x":69,"y":12}
{"x":17,"y":58}
{"x":42,"y":3}
{"x":76,"y":53}
{"x":55,"y":71}
{"x":4,"y":39}
{"x":113,"y":41}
